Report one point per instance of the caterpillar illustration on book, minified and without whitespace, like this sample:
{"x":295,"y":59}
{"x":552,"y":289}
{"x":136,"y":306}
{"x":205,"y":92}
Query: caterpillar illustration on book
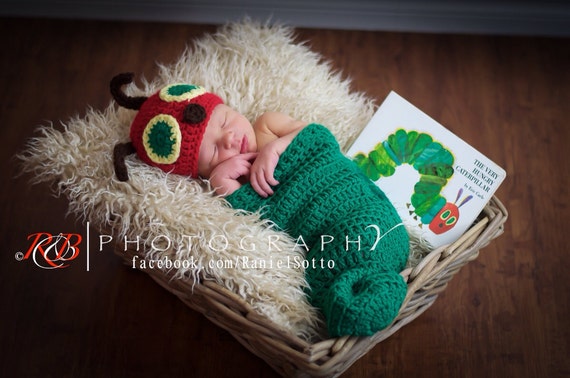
{"x":432,"y":161}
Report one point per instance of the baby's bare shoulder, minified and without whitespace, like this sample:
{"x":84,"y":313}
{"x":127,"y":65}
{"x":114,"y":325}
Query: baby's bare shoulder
{"x":277,"y":123}
{"x":273,"y":118}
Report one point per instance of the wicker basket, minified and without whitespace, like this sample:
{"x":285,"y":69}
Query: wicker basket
{"x":292,"y":356}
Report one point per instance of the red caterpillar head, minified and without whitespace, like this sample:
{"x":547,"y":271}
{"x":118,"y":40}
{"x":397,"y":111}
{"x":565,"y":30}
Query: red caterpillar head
{"x":448,"y":216}
{"x":168,"y":128}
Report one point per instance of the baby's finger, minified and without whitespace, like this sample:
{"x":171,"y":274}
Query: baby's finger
{"x":243,"y":169}
{"x":270,"y":179}
{"x":259,"y":185}
{"x":265,"y":180}
{"x":250,"y":156}
{"x":256,"y":187}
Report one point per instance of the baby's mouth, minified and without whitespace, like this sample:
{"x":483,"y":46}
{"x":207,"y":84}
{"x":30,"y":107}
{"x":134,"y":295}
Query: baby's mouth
{"x":244,"y":145}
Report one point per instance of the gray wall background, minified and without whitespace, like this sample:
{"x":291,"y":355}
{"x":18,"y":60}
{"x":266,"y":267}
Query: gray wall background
{"x":506,"y":17}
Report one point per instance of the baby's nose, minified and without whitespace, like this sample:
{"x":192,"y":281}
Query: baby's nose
{"x":229,"y":140}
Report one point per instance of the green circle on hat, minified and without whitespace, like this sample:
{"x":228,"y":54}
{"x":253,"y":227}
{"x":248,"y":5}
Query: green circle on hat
{"x":162,"y":139}
{"x":180,"y":92}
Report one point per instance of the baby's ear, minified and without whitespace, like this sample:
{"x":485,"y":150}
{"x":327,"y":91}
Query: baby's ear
{"x":120,"y":152}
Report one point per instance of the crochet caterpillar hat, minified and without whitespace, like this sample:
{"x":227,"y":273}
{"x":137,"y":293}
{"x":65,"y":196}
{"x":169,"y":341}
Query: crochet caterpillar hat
{"x":168,"y":128}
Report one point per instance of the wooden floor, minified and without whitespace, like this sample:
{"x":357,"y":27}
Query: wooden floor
{"x":505,"y":315}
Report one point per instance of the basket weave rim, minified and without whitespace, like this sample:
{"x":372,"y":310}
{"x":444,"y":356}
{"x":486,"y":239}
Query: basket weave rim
{"x":289,"y":354}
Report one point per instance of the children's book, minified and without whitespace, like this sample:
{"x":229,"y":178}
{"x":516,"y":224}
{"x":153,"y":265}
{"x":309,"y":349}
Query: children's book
{"x":438,"y":183}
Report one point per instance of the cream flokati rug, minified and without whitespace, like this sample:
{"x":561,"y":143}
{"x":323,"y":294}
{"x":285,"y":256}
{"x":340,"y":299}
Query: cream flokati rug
{"x":254,"y":68}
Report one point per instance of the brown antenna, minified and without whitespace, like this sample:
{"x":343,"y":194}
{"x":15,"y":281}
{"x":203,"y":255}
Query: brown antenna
{"x":120,"y":97}
{"x":120,"y":152}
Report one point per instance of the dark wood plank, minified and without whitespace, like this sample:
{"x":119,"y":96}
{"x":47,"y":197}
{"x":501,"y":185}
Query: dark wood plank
{"x":506,"y":314}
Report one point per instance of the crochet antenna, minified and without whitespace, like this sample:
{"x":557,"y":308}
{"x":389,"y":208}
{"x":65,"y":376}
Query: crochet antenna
{"x":120,"y":97}
{"x":121,"y":150}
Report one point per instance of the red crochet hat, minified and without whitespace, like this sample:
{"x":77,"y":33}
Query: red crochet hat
{"x":169,"y":127}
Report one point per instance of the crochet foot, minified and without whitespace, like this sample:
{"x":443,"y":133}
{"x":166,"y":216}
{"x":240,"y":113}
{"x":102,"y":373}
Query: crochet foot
{"x":362,"y":301}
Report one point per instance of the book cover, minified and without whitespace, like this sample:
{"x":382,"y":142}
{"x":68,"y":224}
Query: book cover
{"x":438,"y":183}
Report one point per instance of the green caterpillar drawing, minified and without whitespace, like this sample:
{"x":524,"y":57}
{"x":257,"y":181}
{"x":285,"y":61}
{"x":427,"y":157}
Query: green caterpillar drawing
{"x":431,"y":160}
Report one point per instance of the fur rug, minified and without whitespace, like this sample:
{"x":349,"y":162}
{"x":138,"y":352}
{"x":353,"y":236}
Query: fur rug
{"x":254,"y":68}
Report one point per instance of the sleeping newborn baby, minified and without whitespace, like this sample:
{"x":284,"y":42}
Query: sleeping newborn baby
{"x":293,"y":174}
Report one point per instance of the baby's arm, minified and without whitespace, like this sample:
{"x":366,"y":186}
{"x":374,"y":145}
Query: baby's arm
{"x":274,"y":132}
{"x":225,"y":176}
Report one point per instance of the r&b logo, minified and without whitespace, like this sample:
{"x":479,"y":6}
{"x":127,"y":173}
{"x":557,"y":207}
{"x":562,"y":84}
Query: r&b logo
{"x":51,"y":251}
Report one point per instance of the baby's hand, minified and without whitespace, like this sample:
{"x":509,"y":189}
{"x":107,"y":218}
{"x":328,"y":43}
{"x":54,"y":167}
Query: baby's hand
{"x":224,"y":177}
{"x":262,"y":169}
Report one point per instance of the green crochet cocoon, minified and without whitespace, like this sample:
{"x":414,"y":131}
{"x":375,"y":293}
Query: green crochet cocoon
{"x":356,"y":242}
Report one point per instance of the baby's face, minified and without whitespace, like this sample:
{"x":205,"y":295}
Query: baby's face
{"x":228,"y":134}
